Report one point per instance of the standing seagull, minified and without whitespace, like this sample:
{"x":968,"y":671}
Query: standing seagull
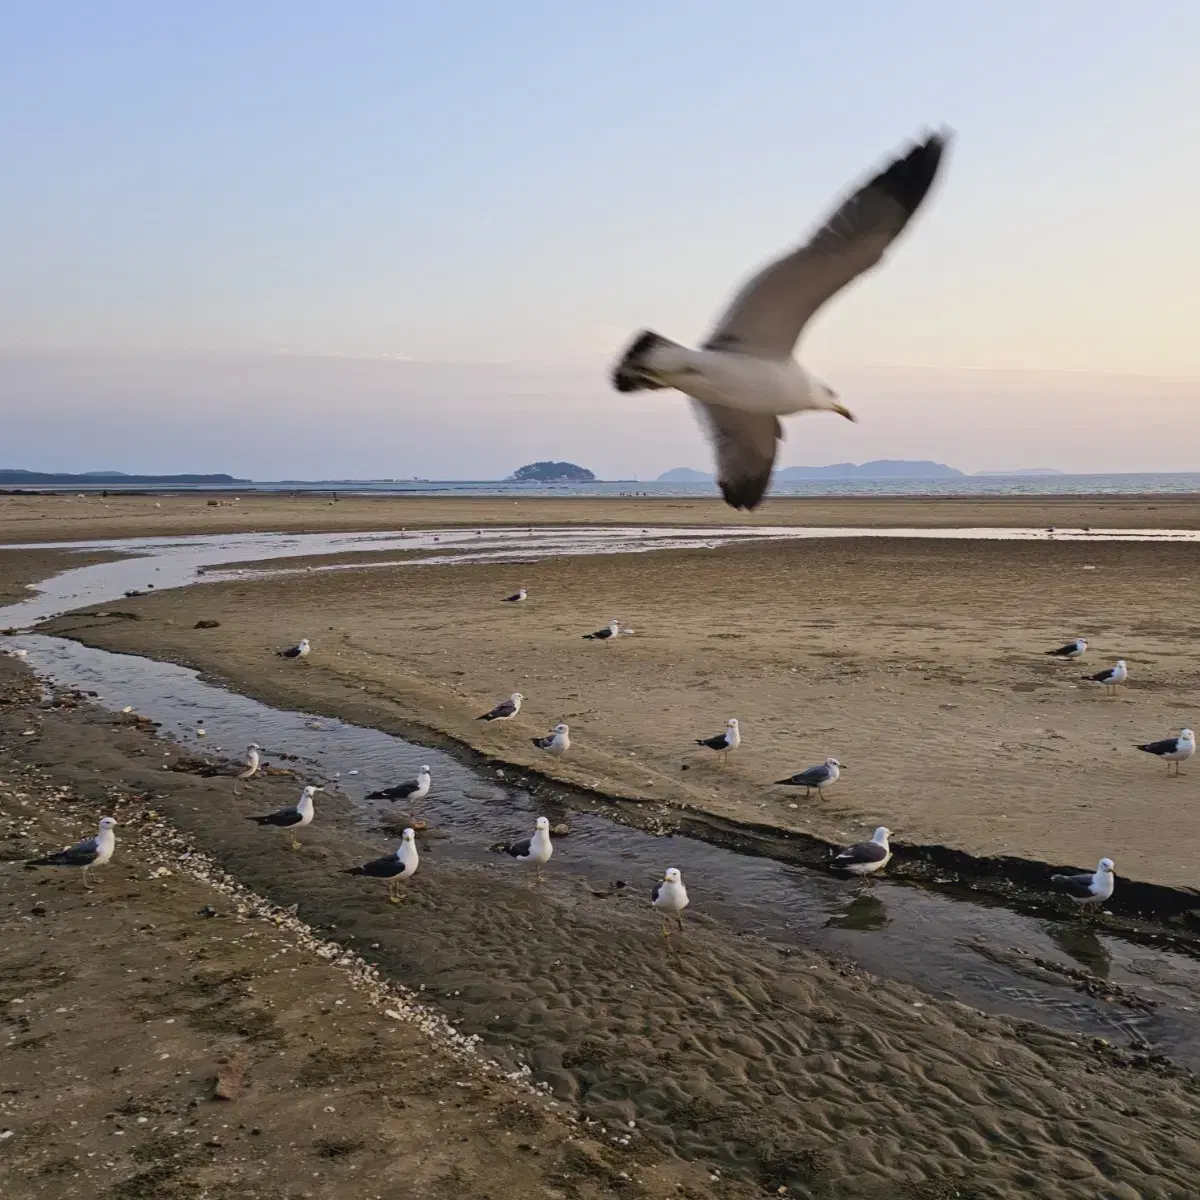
{"x":731,"y":739}
{"x":91,"y":852}
{"x":1111,"y":677}
{"x":866,"y":858}
{"x":300,"y":650}
{"x":670,"y":898}
{"x":393,"y":867}
{"x":1089,"y":888}
{"x":610,"y":632}
{"x":291,"y":819}
{"x":558,"y":742}
{"x":1070,"y":650}
{"x":505,"y":710}
{"x":826,"y":775}
{"x":414,"y":789}
{"x":517,"y":596}
{"x":1175,"y":750}
{"x":744,"y":377}
{"x":253,"y":761}
{"x":536,"y":849}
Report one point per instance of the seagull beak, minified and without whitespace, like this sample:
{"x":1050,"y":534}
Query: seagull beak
{"x":843,"y":411}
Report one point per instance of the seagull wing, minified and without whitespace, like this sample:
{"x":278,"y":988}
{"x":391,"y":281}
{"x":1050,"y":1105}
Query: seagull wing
{"x":769,"y":312}
{"x":864,"y":852}
{"x":82,"y":854}
{"x":1166,"y":746}
{"x":745,"y":444}
{"x":519,"y":849}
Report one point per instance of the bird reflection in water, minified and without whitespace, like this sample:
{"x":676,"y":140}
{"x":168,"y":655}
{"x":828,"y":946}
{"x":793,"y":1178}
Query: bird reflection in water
{"x":1082,"y":945}
{"x":864,"y":913}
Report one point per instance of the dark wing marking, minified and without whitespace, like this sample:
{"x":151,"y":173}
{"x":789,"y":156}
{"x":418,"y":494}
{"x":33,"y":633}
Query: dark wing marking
{"x":1166,"y":746}
{"x":1102,"y":676}
{"x":1066,"y":650}
{"x":283,"y":818}
{"x":505,"y":709}
{"x":769,"y":312}
{"x":519,"y":849}
{"x":745,"y":445}
{"x":713,"y":743}
{"x":658,"y":887}
{"x":1076,"y":885}
{"x":290,"y":652}
{"x":400,"y":792}
{"x":810,"y":778}
{"x":82,"y":854}
{"x":380,"y":868}
{"x":864,"y":852}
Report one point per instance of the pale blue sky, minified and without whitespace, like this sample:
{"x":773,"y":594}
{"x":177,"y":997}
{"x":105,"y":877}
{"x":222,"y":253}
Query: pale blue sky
{"x":503,"y":194}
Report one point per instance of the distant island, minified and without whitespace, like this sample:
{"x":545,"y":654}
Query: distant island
{"x":880,"y":468}
{"x":551,"y":472}
{"x":15,"y":478}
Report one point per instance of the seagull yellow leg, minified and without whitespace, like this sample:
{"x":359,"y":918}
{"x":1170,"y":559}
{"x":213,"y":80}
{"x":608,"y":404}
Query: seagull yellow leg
{"x":87,"y":885}
{"x":295,"y":842}
{"x":679,"y":918}
{"x":666,"y":929}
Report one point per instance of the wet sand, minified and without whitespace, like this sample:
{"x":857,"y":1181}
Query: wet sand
{"x":782,"y":1071}
{"x":917,"y":663}
{"x":63,"y":517}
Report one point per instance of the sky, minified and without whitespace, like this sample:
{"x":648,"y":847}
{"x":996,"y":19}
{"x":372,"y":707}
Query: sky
{"x":302,"y":240}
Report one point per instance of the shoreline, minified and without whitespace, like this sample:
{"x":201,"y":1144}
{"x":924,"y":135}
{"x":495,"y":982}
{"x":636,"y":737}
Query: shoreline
{"x":26,"y":519}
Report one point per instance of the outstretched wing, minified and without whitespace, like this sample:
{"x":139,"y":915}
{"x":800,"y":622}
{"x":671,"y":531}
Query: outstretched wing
{"x":745,"y":444}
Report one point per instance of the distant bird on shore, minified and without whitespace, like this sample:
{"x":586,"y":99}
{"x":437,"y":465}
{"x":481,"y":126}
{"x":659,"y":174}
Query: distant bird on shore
{"x":1070,"y":650}
{"x":866,"y":858}
{"x":505,"y":710}
{"x":610,"y":632}
{"x":91,"y":852}
{"x":253,"y":762}
{"x":1175,"y":750}
{"x":557,"y":742}
{"x":536,"y":850}
{"x":517,"y":596}
{"x":1092,"y":888}
{"x":1110,"y":677}
{"x":296,"y":817}
{"x":722,"y":743}
{"x":393,"y":867}
{"x":744,"y":377}
{"x":301,"y":649}
{"x":670,"y":897}
{"x":815,"y":778}
{"x":413,"y":789}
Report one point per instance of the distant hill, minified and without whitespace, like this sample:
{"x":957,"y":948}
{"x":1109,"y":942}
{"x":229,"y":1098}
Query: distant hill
{"x":880,"y":468}
{"x":1020,"y":471}
{"x":15,"y":478}
{"x":551,"y":472}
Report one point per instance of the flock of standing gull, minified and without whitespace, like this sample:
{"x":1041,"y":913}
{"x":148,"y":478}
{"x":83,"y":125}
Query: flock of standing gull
{"x":741,"y":380}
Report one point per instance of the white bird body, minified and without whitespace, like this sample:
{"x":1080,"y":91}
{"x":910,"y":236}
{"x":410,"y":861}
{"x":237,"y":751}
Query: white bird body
{"x":106,"y":842}
{"x":670,"y":896}
{"x":253,"y":761}
{"x":1090,"y":889}
{"x":305,"y":807}
{"x":775,"y":386}
{"x":407,"y":853}
{"x":867,"y":857}
{"x":536,"y":850}
{"x":424,"y":780}
{"x":559,"y":742}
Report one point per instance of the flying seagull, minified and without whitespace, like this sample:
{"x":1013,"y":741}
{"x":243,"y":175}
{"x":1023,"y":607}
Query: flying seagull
{"x":393,"y":867}
{"x":536,"y":849}
{"x":1088,"y":888}
{"x":866,"y":858}
{"x":1175,"y":750}
{"x":296,"y":817}
{"x":414,"y":789}
{"x":517,"y":596}
{"x":1110,"y":677}
{"x":722,"y":743}
{"x":610,"y":632}
{"x":1070,"y":650}
{"x":300,"y":650}
{"x":744,"y":377}
{"x":826,"y":775}
{"x":670,"y":897}
{"x":253,"y":761}
{"x":558,"y":742}
{"x":91,"y":852}
{"x":505,"y":710}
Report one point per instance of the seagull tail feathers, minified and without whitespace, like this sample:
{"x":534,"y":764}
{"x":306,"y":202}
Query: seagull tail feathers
{"x":355,"y":871}
{"x":636,"y":370}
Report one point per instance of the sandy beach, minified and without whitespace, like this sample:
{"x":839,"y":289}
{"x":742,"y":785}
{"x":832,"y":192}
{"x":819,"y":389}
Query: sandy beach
{"x":76,"y":517}
{"x":918,"y":664}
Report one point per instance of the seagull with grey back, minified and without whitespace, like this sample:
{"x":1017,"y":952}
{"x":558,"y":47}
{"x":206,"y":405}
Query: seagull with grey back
{"x":1089,"y":888}
{"x":294,"y":817}
{"x":814,"y":778}
{"x":744,"y":377}
{"x":91,"y":852}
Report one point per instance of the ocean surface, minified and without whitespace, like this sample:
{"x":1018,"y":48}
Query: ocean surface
{"x":1014,"y":485}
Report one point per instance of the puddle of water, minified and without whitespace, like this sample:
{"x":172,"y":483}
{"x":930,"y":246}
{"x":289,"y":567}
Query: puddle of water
{"x":902,"y":932}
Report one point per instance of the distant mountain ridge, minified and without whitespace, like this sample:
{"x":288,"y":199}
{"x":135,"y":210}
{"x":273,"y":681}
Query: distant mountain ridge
{"x":552,"y":472}
{"x":880,"y":468}
{"x":17,"y":478}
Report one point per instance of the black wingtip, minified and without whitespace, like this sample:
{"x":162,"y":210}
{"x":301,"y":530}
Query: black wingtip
{"x":629,"y":375}
{"x":908,"y":179}
{"x":746,"y":493}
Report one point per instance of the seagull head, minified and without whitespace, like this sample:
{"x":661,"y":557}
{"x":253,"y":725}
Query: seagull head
{"x":107,"y":822}
{"x":304,"y":643}
{"x":543,"y":824}
{"x":881,"y":835}
{"x":1186,"y":735}
{"x":311,"y":790}
{"x":827,"y":399}
{"x":732,"y":723}
{"x":562,"y":727}
{"x":408,"y":835}
{"x":1107,"y":866}
{"x":254,"y":746}
{"x":832,"y":762}
{"x":614,"y":625}
{"x":1081,"y":643}
{"x":516,"y":697}
{"x":672,"y":875}
{"x":1121,"y":663}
